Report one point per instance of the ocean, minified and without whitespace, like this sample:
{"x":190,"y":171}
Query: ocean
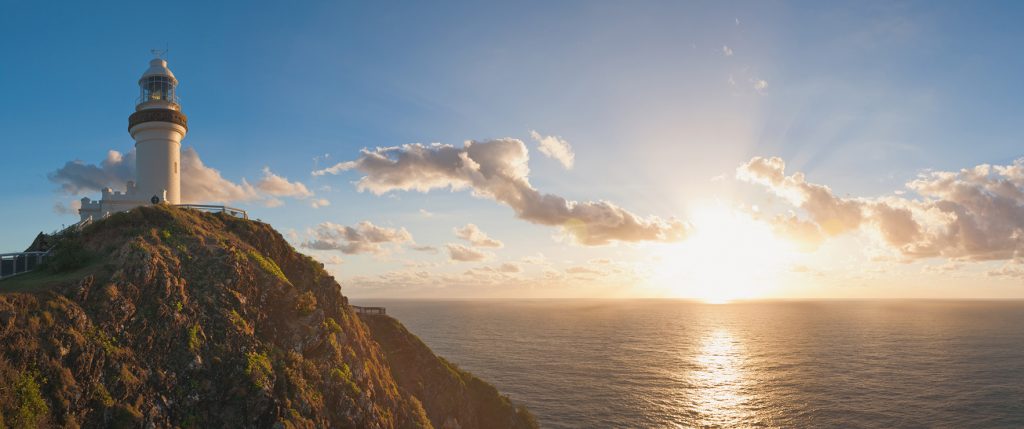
{"x":662,"y":363}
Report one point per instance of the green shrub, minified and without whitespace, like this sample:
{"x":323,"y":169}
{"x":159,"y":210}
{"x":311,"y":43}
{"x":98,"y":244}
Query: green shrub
{"x":239,"y":322}
{"x":259,"y":370}
{"x":109,"y":344}
{"x":31,"y":408}
{"x":268,"y":265}
{"x":102,"y":395}
{"x":343,"y":376}
{"x":332,"y":326}
{"x":194,"y":342}
{"x":68,"y":255}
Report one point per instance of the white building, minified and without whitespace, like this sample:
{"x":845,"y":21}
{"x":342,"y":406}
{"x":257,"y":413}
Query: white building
{"x":157,"y":126}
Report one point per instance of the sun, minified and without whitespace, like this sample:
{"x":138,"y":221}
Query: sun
{"x":730,"y":256}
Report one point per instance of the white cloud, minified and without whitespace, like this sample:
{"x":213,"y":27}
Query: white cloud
{"x":319,"y":202}
{"x":365,"y":237}
{"x":556,"y":148}
{"x":76,"y":177}
{"x":278,"y":186}
{"x":202,"y":184}
{"x":476,"y":237}
{"x":458,"y":252}
{"x":199,"y":182}
{"x":498,"y":170}
{"x":425,"y":213}
{"x":727,"y":51}
{"x":973,"y":214}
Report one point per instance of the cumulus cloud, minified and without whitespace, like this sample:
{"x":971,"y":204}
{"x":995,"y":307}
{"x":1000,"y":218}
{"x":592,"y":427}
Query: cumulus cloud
{"x":973,"y":214}
{"x":365,"y":237}
{"x":556,"y":148}
{"x":476,"y":237}
{"x":278,"y":186}
{"x":319,"y":202}
{"x":1012,"y":269}
{"x":199,"y":183}
{"x":727,"y":51}
{"x":77,"y":177}
{"x":461,"y":253}
{"x":498,"y":170}
{"x":832,"y":214}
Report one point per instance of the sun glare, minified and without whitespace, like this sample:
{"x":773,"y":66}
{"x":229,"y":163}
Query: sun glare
{"x":730,"y":256}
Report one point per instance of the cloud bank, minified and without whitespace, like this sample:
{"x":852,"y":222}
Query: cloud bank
{"x":199,"y":182}
{"x":973,"y":214}
{"x":497,"y":169}
{"x":363,"y":238}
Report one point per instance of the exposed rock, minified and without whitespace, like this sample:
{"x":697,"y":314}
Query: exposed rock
{"x":162,"y":317}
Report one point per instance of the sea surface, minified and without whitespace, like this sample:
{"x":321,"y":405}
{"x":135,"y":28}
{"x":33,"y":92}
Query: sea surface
{"x":650,"y":363}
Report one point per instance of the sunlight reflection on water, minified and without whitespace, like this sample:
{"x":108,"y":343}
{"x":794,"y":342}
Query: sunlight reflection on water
{"x":718,"y":379}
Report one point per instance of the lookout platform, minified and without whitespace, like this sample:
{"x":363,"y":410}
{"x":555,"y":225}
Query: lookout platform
{"x":370,"y":311}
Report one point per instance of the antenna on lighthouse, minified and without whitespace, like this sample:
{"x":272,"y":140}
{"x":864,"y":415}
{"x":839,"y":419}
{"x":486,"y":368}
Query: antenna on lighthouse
{"x":160,"y":53}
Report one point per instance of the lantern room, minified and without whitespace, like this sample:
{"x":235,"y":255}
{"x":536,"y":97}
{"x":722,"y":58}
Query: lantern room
{"x":157,"y":87}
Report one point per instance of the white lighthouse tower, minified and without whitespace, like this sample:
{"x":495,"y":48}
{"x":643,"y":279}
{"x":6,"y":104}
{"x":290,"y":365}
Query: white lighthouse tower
{"x":157,"y":126}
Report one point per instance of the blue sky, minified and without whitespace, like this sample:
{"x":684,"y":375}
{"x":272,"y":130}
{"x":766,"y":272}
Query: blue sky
{"x":659,"y":100}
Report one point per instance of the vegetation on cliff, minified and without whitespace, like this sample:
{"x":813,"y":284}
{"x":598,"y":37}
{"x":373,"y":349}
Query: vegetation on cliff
{"x":163,"y":317}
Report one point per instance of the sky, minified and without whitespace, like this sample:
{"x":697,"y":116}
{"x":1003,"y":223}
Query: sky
{"x":712,"y":151}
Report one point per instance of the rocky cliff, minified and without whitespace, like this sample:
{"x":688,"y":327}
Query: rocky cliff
{"x":163,"y":317}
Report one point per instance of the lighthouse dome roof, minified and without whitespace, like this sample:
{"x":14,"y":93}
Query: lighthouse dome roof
{"x":158,"y":67}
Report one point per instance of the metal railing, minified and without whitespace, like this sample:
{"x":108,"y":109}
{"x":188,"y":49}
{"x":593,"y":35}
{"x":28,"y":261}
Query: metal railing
{"x":216,"y":209}
{"x":12,"y":264}
{"x":370,"y":311}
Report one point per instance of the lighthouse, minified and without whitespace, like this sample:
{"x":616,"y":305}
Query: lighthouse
{"x":157,"y":126}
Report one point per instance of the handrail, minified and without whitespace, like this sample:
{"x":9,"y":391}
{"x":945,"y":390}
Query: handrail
{"x":369,"y":311}
{"x":215,"y":209}
{"x":9,"y":262}
{"x":22,"y":253}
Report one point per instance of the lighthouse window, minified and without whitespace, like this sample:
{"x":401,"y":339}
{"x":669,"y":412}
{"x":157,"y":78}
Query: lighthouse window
{"x":158,"y":88}
{"x":175,"y":167}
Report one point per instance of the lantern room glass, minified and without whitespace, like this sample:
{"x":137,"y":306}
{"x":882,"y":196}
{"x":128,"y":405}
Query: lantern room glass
{"x":157,"y":88}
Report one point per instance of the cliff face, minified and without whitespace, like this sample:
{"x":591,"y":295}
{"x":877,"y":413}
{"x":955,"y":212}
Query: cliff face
{"x":162,"y":317}
{"x":450,"y":396}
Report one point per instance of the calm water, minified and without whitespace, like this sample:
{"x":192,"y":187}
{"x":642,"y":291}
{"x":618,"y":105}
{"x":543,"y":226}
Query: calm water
{"x":801,"y":364}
